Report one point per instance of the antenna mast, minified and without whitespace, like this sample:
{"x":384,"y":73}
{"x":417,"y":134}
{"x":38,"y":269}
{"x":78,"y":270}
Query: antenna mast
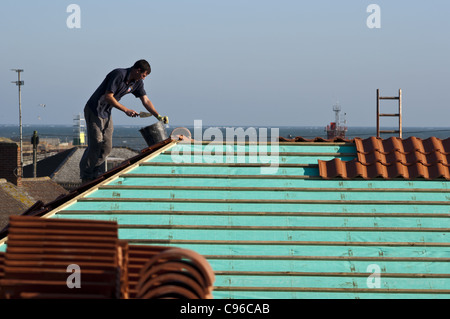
{"x":19,"y":83}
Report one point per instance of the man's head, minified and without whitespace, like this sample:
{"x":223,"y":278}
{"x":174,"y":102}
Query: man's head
{"x":140,"y":70}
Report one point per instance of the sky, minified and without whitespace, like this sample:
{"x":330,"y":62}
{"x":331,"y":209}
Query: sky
{"x":231,"y":63}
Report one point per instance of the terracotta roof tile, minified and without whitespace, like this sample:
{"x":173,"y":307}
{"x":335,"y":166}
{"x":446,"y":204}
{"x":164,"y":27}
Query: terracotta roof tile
{"x":313,"y":140}
{"x":394,"y":157}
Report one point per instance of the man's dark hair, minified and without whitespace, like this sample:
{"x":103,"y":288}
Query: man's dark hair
{"x":143,"y":66}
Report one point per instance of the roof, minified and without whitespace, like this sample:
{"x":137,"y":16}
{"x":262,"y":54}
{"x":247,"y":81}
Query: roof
{"x":270,"y":226}
{"x":6,"y":140}
{"x":64,"y":167}
{"x":48,"y":166}
{"x":16,"y":200}
{"x":43,"y":188}
{"x":13,"y":200}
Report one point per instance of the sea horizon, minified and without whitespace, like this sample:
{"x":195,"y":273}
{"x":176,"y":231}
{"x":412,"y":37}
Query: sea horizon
{"x":130,"y":136}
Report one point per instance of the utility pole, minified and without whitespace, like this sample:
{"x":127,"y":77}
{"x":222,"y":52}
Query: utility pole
{"x":19,"y":83}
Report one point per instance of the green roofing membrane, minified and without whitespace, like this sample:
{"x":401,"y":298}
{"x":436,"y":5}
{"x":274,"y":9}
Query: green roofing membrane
{"x":272,"y":228}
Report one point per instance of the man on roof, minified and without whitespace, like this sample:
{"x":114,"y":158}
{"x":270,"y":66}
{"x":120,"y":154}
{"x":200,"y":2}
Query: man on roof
{"x":97,"y":114}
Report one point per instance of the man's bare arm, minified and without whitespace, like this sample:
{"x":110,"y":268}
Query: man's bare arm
{"x":109,"y":97}
{"x":149,"y":105}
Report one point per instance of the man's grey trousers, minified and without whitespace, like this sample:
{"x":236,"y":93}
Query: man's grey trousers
{"x":99,"y":138}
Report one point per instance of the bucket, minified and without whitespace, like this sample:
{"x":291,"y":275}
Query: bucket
{"x":154,"y":133}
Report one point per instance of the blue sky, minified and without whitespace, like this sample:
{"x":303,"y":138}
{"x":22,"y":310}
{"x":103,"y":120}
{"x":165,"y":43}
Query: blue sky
{"x":234,"y":62}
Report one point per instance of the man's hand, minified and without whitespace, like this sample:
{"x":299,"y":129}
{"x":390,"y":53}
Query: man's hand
{"x":131,"y":113}
{"x":164,"y":119}
{"x":110,"y":99}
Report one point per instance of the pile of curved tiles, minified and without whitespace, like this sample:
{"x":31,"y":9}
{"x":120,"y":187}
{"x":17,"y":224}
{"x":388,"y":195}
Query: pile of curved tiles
{"x":410,"y":158}
{"x":44,"y":255}
{"x":176,"y":273}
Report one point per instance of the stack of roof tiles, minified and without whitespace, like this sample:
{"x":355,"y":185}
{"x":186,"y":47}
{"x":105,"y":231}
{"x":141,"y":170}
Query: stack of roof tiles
{"x":42,"y":253}
{"x":394,"y":157}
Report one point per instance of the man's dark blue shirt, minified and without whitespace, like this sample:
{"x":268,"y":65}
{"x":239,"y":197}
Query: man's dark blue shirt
{"x":114,"y":82}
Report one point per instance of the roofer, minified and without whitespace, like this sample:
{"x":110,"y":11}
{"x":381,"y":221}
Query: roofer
{"x":97,"y":113}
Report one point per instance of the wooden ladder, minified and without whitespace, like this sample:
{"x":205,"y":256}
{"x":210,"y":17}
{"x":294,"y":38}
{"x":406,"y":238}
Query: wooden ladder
{"x":399,"y":114}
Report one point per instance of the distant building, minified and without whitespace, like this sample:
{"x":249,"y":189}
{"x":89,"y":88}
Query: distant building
{"x":79,"y":130}
{"x":17,"y":193}
{"x":63,"y":168}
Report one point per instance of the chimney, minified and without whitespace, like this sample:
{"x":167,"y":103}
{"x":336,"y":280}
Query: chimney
{"x":10,"y":168}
